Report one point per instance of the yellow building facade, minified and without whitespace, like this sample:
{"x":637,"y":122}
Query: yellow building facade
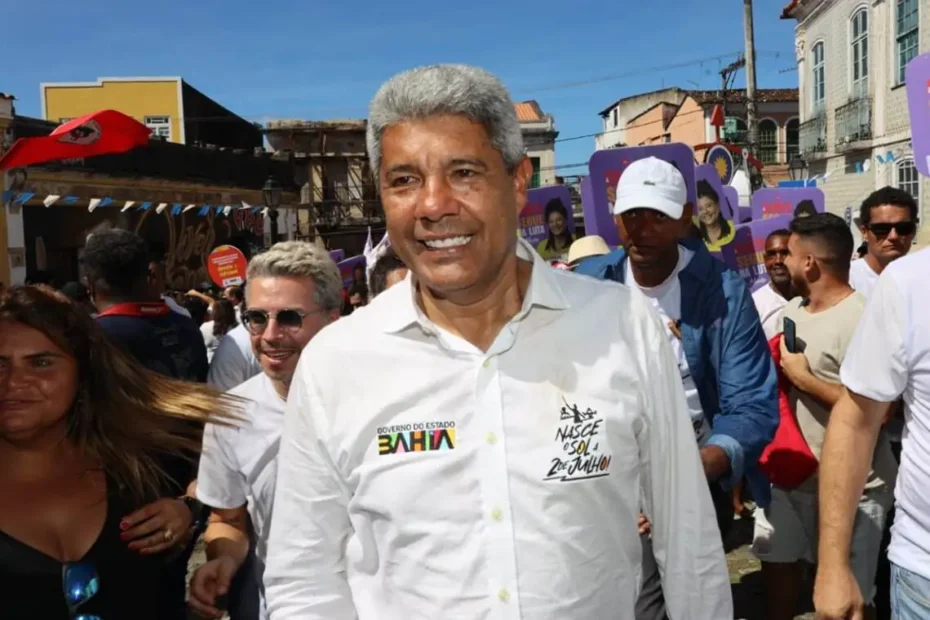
{"x":158,"y":102}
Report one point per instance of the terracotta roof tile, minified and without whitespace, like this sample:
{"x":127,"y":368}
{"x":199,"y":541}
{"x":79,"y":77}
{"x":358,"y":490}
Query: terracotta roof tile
{"x":763,"y":95}
{"x":529,"y":112}
{"x":786,"y":12}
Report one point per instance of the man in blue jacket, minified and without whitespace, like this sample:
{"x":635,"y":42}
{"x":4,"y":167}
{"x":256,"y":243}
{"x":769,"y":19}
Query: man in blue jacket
{"x":726,"y":367}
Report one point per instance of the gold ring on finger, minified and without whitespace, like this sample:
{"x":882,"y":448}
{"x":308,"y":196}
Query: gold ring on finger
{"x":168,"y":534}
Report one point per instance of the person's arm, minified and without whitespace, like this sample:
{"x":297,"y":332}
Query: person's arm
{"x":677,"y":501}
{"x":305,"y":572}
{"x":748,"y":389}
{"x":204,"y":298}
{"x":797,"y":368}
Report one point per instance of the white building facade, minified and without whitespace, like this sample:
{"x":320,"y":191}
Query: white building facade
{"x":855,"y":130}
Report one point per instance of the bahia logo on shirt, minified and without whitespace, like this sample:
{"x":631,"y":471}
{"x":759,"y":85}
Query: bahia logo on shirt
{"x":579,"y":439}
{"x":416,"y":437}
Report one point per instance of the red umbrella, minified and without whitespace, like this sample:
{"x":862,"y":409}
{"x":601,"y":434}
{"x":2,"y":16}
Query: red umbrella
{"x":100,"y":133}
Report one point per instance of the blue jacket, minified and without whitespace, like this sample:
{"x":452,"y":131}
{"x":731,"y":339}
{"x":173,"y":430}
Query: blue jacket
{"x":728,"y":356}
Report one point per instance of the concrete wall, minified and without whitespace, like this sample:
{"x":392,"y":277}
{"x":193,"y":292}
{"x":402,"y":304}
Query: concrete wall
{"x":629,"y":108}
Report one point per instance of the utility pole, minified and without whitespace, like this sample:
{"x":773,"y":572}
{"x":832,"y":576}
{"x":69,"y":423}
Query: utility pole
{"x":752,"y":120}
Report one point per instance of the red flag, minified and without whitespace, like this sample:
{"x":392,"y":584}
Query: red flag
{"x":100,"y":133}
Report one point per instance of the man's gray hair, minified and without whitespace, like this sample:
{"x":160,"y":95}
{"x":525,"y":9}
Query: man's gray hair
{"x":446,"y":89}
{"x":299,"y":259}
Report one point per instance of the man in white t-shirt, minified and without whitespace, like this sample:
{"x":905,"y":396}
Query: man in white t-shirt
{"x":771,"y":298}
{"x":294,"y":290}
{"x":233,"y":362}
{"x":889,"y":357}
{"x":889,"y":222}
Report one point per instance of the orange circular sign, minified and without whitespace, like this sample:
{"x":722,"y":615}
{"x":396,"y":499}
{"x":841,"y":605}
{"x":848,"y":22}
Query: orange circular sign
{"x":226,"y":265}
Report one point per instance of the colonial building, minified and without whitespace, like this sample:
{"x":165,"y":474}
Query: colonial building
{"x":539,"y":136}
{"x":677,"y":115}
{"x":855,"y":131}
{"x":172,"y":108}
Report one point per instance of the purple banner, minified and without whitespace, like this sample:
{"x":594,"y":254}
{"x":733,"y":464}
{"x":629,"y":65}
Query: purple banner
{"x":745,"y":215}
{"x":917,"y":78}
{"x":337,"y":255}
{"x":746,"y":252}
{"x":547,"y":218}
{"x":606,"y":167}
{"x":708,"y":174}
{"x":732,"y":199}
{"x":774,"y":201}
{"x":347,"y":269}
{"x":597,"y":222}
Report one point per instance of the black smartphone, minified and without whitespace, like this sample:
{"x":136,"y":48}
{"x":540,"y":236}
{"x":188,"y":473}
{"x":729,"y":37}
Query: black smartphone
{"x":790,"y":336}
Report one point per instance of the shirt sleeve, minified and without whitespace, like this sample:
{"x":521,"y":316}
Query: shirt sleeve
{"x":219,"y":482}
{"x":686,"y":538}
{"x":876,"y":364}
{"x":305,"y":574}
{"x":229,"y":367}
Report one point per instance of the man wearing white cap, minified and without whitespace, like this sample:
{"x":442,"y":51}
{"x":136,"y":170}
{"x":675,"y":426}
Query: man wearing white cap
{"x":714,"y":328}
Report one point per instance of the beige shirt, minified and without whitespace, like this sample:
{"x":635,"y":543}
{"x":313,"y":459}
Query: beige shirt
{"x":824,"y":338}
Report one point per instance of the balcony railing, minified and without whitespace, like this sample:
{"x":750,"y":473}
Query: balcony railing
{"x":812,"y":135}
{"x":853,"y":122}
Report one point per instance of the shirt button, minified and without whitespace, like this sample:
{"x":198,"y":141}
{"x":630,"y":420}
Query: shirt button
{"x":486,"y":363}
{"x":503,"y":595}
{"x":497,"y":514}
{"x":491,"y":438}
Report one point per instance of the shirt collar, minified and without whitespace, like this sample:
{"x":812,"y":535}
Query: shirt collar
{"x":543,"y":291}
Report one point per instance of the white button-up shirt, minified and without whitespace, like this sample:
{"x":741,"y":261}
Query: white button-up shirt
{"x":420,"y":477}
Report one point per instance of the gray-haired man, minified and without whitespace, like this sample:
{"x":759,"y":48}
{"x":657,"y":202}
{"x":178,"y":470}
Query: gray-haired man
{"x":477,"y":443}
{"x":294,"y":290}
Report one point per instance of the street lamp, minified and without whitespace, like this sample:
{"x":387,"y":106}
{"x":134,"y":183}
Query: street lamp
{"x":797,"y":168}
{"x":271,"y":194}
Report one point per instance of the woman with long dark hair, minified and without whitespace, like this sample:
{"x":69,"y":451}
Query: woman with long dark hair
{"x":715,"y":230}
{"x":560,"y":239}
{"x":90,"y":514}
{"x":224,"y":320}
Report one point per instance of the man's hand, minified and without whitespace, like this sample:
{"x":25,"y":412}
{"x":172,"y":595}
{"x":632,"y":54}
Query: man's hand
{"x":210,"y":582}
{"x":715,"y":461}
{"x":644,"y":526}
{"x":836,"y":595}
{"x":795,"y":366}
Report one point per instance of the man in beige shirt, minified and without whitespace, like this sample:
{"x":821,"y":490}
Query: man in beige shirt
{"x":825,"y":317}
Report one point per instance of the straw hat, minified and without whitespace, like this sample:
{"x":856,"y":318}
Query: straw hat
{"x":586,"y":247}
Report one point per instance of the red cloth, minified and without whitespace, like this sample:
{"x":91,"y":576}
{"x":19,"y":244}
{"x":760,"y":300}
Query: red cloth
{"x":788,"y":460}
{"x":100,"y":133}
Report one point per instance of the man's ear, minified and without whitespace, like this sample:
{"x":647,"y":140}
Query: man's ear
{"x":521,"y":182}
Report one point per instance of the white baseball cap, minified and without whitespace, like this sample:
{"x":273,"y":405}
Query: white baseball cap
{"x":651,"y":183}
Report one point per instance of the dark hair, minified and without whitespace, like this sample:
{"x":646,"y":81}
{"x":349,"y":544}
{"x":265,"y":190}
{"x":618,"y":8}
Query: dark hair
{"x":224,"y":317}
{"x":781,"y":232}
{"x":704,"y":190}
{"x":555,"y":206}
{"x":75,"y":291}
{"x":831,"y":235}
{"x":383,"y":266}
{"x":197,"y":308}
{"x":887,"y":196}
{"x":41,"y":277}
{"x":118,"y":258}
{"x":805,"y":208}
{"x":237,"y":293}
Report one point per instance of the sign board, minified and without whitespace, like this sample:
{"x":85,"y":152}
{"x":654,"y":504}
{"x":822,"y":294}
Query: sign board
{"x":775,"y":201}
{"x":227,"y":266}
{"x":347,"y":268}
{"x":917,"y":78}
{"x":720,"y":158}
{"x":746,"y":253}
{"x":337,"y":255}
{"x":548,"y":210}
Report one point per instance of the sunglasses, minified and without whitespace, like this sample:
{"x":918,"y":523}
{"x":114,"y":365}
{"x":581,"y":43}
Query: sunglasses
{"x":289,"y":319}
{"x":80,"y":583}
{"x":903,"y":229}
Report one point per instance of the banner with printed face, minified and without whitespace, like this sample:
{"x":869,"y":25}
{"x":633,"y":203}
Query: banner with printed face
{"x":597,"y":222}
{"x":546,"y":221}
{"x":348,"y":267}
{"x":775,"y":201}
{"x":337,"y":255}
{"x":917,"y":78}
{"x":746,"y":253}
{"x":606,"y":168}
{"x":732,"y":200}
{"x":712,"y":214}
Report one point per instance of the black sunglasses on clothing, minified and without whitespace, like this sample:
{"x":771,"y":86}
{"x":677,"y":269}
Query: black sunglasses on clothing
{"x":290,"y":319}
{"x":903,"y":229}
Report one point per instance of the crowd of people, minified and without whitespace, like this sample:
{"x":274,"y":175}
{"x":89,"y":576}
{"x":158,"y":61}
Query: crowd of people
{"x":467,"y":432}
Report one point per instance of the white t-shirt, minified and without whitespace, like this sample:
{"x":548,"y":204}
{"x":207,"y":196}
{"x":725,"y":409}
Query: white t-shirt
{"x":209,"y":339}
{"x":862,"y":277}
{"x":234,"y":362}
{"x":889,"y":357}
{"x":238,"y":464}
{"x":769,"y":303}
{"x":666,"y":299}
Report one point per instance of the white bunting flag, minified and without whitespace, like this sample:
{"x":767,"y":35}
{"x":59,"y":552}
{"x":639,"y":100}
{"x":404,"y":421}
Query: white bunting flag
{"x":93,"y":204}
{"x":127,"y":206}
{"x":245,"y":205}
{"x":50,"y":200}
{"x":188,"y":208}
{"x":227,"y":210}
{"x":161,"y":207}
{"x":265,"y":211}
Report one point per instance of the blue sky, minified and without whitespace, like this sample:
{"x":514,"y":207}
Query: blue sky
{"x":318,"y":60}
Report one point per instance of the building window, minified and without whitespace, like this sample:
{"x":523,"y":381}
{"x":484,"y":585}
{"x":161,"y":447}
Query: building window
{"x":160,"y":126}
{"x":534,"y":182}
{"x":734,"y":130}
{"x":768,"y":141}
{"x":860,"y":53}
{"x":615,"y":117}
{"x":908,"y":179}
{"x":906,"y":34}
{"x":819,"y":83}
{"x":792,"y":145}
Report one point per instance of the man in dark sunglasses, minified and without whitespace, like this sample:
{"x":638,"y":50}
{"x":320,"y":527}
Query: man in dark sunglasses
{"x":888,"y":222}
